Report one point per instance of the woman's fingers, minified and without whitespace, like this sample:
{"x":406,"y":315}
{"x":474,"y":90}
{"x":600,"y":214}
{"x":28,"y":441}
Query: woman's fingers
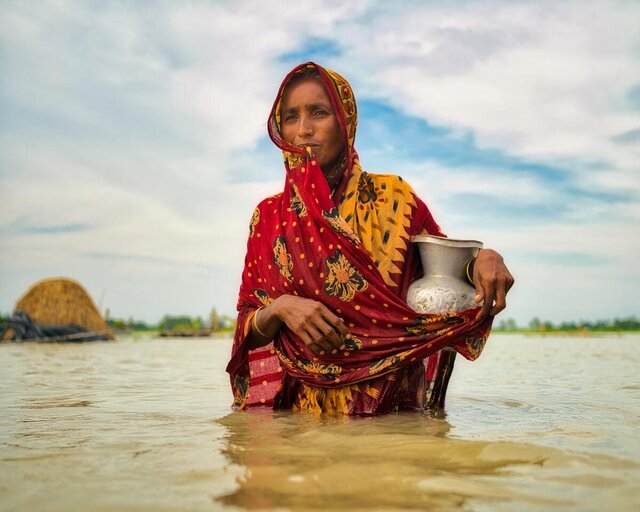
{"x":338,"y":324}
{"x":328,"y":325}
{"x":314,"y":341}
{"x":501,"y":298}
{"x":486,"y":305}
{"x":493,"y":281}
{"x":324,"y":334}
{"x":335,"y":323}
{"x":510,"y":282}
{"x":319,"y":338}
{"x":319,"y":328}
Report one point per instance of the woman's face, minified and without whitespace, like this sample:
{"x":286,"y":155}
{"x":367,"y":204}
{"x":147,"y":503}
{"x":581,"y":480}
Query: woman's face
{"x":307,"y":119}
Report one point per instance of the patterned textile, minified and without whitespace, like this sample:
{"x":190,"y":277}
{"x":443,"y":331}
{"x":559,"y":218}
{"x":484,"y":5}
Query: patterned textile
{"x":350,"y":249}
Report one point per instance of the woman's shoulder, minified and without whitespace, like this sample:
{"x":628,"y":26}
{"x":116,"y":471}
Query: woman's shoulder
{"x":389,"y":182}
{"x":262,"y":211}
{"x":385,"y":177}
{"x":269,"y":201}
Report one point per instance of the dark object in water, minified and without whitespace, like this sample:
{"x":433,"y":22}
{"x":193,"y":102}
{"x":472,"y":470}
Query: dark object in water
{"x":25,"y":329}
{"x":186,"y":333}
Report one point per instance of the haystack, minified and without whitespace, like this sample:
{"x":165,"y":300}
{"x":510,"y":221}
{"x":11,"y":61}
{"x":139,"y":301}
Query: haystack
{"x":62,"y":301}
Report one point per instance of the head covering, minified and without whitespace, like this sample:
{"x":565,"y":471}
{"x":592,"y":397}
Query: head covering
{"x":352,"y":252}
{"x":344,"y":106}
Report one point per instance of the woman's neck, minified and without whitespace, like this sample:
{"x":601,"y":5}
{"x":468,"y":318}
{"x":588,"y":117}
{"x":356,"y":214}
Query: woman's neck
{"x":335,"y":170}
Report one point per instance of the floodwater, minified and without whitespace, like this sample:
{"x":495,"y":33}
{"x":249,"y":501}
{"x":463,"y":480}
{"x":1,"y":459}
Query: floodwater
{"x":135,"y":425}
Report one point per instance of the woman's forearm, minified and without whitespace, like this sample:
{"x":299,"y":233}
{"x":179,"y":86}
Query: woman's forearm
{"x":316,"y":325}
{"x":265,"y":324}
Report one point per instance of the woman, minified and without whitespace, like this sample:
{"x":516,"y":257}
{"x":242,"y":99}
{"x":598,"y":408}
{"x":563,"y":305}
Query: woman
{"x":323,"y":324}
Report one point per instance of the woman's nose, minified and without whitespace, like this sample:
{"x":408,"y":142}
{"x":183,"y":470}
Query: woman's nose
{"x":305,"y":128}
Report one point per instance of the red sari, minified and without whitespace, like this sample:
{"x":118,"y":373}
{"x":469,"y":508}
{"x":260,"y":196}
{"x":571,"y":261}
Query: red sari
{"x":349,"y":248}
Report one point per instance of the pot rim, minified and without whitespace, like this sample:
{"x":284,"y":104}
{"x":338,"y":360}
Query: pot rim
{"x":447,"y":242}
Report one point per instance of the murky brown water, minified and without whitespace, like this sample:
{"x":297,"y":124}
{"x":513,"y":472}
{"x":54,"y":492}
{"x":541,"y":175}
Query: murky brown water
{"x":535,"y":424}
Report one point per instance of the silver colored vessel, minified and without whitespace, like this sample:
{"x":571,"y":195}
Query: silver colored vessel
{"x":444,"y":288}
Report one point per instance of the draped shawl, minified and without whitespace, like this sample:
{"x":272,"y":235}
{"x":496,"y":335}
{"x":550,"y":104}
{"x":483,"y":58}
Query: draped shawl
{"x":349,"y":248}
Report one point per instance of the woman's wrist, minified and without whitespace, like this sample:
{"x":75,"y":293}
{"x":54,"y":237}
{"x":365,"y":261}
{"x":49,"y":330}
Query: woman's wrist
{"x":255,"y":325}
{"x":267,"y":320}
{"x":278,"y":307}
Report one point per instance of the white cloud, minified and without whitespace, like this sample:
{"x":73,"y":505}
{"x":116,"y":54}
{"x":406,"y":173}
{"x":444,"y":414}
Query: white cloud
{"x":564,"y":272}
{"x":541,"y":80}
{"x":444,"y":182}
{"x":129,"y":120}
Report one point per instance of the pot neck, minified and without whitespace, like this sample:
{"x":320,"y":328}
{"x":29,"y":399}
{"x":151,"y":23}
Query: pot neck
{"x":444,"y":261}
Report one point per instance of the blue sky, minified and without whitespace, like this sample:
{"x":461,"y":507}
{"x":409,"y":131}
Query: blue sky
{"x":133,"y":141}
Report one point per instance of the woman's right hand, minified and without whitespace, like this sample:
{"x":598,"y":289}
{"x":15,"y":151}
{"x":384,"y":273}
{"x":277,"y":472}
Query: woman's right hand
{"x":313,"y":322}
{"x":319,"y":328}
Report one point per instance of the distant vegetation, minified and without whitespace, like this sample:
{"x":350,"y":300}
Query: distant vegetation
{"x":215,"y":322}
{"x":629,"y":324}
{"x":226,"y":323}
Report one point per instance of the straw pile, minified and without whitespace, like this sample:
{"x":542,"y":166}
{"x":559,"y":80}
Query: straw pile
{"x":62,"y":301}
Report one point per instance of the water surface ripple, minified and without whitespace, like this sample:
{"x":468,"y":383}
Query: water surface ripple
{"x":136,"y":425}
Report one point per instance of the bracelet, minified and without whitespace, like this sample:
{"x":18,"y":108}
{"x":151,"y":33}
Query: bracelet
{"x":469,"y":270}
{"x":255,"y":324}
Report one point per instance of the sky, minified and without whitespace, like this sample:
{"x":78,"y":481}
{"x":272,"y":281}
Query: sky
{"x":133,"y":142}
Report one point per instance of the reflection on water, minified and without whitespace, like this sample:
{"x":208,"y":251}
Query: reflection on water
{"x":535,"y":424}
{"x":400,"y":461}
{"x":333,"y":462}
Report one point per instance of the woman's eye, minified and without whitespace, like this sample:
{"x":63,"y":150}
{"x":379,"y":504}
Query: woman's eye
{"x":289,"y":118}
{"x":320,"y":113}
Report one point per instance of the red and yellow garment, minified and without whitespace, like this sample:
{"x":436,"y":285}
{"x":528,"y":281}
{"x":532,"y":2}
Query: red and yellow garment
{"x":350,"y":249}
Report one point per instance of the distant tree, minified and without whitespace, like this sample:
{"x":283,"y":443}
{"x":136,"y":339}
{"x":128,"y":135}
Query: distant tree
{"x":626,"y":324}
{"x":507,"y":325}
{"x":568,"y":326}
{"x":214,"y":320}
{"x":511,"y":324}
{"x":547,"y":326}
{"x":502,"y":326}
{"x":169,"y":322}
{"x":117,"y":324}
{"x":535,"y":324}
{"x":139,"y":325}
{"x":227,"y":323}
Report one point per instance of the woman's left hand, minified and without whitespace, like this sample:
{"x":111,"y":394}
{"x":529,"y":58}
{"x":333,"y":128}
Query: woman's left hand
{"x":493,"y":281}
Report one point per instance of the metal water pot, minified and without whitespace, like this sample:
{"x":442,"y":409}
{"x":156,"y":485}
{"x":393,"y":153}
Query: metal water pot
{"x":444,"y":288}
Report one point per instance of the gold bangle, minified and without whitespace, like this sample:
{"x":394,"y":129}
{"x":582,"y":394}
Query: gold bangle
{"x":255,"y":324}
{"x":469,"y":278}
